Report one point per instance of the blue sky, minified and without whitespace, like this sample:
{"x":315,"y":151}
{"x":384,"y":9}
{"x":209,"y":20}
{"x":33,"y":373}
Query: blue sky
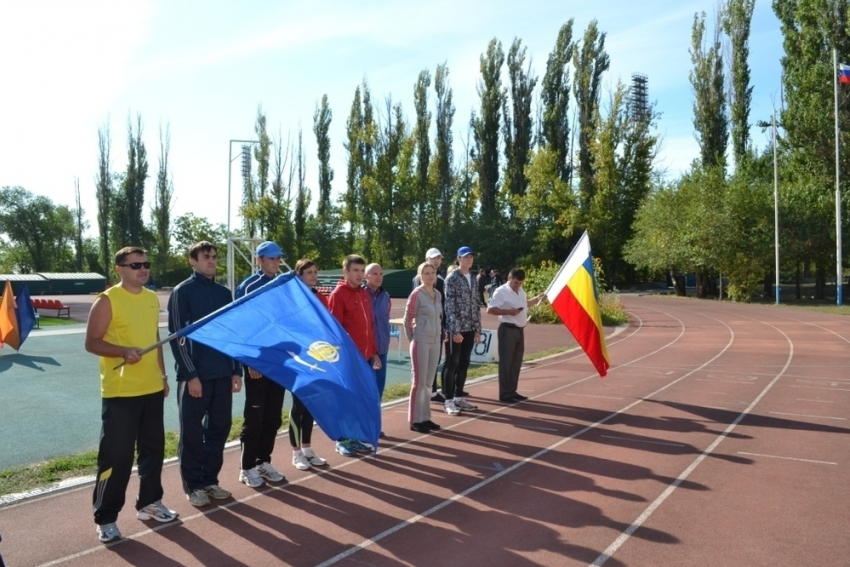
{"x":203,"y":67}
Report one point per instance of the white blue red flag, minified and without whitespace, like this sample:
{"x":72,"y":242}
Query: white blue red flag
{"x":843,"y":73}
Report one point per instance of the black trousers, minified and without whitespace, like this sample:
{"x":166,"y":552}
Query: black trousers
{"x":128,"y":424}
{"x":263,"y":407}
{"x":204,"y":427}
{"x":300,"y":424}
{"x":457,"y":364}
{"x":511,"y":351}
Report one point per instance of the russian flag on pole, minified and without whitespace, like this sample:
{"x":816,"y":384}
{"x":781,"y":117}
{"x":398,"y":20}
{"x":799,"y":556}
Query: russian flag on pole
{"x":574,"y":297}
{"x":843,"y":73}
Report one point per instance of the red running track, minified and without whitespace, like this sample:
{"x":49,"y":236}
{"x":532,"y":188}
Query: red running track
{"x":719,"y":437}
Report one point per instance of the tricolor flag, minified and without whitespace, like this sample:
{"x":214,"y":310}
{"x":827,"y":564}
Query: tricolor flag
{"x":574,"y":297}
{"x":17,"y":319}
{"x":843,"y":73}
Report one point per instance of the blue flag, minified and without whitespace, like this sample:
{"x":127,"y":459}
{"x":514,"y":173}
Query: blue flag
{"x":284,"y":332}
{"x":24,"y":313}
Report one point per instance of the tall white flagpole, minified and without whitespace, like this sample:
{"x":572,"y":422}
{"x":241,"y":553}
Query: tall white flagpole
{"x":839,"y":269}
{"x":776,"y":207}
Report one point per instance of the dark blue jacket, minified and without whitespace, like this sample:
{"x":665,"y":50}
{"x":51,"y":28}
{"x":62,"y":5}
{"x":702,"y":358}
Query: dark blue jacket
{"x":191,"y":300}
{"x":381,"y":307}
{"x":252,"y":283}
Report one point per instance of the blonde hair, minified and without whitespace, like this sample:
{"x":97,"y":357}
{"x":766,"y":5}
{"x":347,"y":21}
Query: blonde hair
{"x":451,"y":268}
{"x":422,"y":267}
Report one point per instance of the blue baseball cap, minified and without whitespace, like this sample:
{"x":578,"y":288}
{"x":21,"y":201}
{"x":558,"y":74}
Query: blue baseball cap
{"x":269,"y":249}
{"x":465,"y":251}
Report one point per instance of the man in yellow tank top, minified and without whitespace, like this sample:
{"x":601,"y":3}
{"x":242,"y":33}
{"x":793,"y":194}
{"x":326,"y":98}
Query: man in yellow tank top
{"x":123,"y":320}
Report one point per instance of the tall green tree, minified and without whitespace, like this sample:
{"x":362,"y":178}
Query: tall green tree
{"x":302,"y":202}
{"x":133,"y":188}
{"x":711,"y":120}
{"x":80,"y":226}
{"x":518,"y":124}
{"x":262,"y":154}
{"x":162,"y":203}
{"x":486,"y":128}
{"x":555,"y":99}
{"x":736,"y":17}
{"x":353,"y":197}
{"x":326,"y":228}
{"x":590,"y":62}
{"x":443,"y":155}
{"x":103,"y":192}
{"x":425,"y":199}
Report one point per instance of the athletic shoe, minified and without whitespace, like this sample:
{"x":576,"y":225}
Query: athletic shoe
{"x":108,"y":532}
{"x":508,"y":399}
{"x":301,"y":462}
{"x":431,"y":425}
{"x":464,"y":405}
{"x":156,"y":511}
{"x":268,"y":472}
{"x":451,"y":408}
{"x":198,"y":498}
{"x":361,"y":447}
{"x":251,"y":477}
{"x":464,"y":394}
{"x":344,"y":448}
{"x":314,"y":459}
{"x":217,"y":492}
{"x":438,"y":398}
{"x":520,"y":397}
{"x":420,"y":428}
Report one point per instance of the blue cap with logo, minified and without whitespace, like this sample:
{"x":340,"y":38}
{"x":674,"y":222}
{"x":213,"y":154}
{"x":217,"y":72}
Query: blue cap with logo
{"x":269,"y":249}
{"x":465,"y":251}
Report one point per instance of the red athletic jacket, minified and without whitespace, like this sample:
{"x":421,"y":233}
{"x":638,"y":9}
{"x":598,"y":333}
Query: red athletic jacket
{"x":352,"y":307}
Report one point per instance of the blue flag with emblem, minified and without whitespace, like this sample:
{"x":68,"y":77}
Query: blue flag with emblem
{"x":284,"y":332}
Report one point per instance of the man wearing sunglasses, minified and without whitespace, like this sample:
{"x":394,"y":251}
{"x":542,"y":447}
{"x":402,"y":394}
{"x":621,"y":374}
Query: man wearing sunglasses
{"x":123,"y":320}
{"x":206,"y":380}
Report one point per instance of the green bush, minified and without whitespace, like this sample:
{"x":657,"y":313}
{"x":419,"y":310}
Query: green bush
{"x":538,"y":279}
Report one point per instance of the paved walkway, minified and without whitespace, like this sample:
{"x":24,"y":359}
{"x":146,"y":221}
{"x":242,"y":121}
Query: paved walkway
{"x":719,"y":437}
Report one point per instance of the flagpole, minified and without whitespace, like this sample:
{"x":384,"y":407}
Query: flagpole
{"x":839,"y":269}
{"x":776,"y":208}
{"x":144,"y":351}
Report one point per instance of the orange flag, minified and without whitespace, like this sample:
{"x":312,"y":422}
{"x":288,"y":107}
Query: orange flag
{"x":8,"y":319}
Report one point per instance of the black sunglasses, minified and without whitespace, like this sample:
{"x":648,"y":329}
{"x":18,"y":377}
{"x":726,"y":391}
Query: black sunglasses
{"x":137,"y":265}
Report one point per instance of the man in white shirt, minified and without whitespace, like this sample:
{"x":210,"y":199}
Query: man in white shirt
{"x":509,"y":303}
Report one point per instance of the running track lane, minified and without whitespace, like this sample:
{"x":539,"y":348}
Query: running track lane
{"x":719,"y":438}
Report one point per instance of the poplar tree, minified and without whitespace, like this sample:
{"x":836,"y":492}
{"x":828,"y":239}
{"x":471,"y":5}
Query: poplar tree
{"x":555,"y":99}
{"x":710,"y":117}
{"x":443,"y":149}
{"x":518,"y":124}
{"x":162,"y":203}
{"x":103,"y":189}
{"x":80,"y":225}
{"x":737,"y":16}
{"x":590,"y":62}
{"x":424,"y":196}
{"x":321,"y":125}
{"x":486,"y":128}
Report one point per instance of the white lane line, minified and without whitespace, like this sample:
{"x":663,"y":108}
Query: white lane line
{"x":820,"y":401}
{"x":643,"y":441}
{"x":627,"y":533}
{"x":787,"y":458}
{"x":807,"y":415}
{"x":593,"y":396}
{"x":727,"y":381}
{"x":820,"y":388}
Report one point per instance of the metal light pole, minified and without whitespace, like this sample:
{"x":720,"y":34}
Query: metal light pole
{"x":839,"y":269}
{"x":231,"y":284}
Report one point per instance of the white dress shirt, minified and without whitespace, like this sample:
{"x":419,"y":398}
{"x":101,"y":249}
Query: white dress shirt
{"x":505,"y":298}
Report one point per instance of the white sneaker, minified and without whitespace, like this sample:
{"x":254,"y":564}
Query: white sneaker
{"x":451,"y":408}
{"x":198,"y":498}
{"x":251,"y":477}
{"x":156,"y":511}
{"x":268,"y":472}
{"x":314,"y":459}
{"x":108,"y":532}
{"x":300,"y":462}
{"x":462,"y":404}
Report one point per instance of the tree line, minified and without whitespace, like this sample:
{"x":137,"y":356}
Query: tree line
{"x":539,"y":160}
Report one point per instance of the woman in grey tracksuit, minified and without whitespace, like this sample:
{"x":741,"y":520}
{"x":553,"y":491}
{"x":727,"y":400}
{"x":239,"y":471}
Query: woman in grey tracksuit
{"x":423,"y":316}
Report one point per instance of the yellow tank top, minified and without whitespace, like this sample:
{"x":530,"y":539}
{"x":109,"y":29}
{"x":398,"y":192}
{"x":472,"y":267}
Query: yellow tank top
{"x":135,"y":319}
